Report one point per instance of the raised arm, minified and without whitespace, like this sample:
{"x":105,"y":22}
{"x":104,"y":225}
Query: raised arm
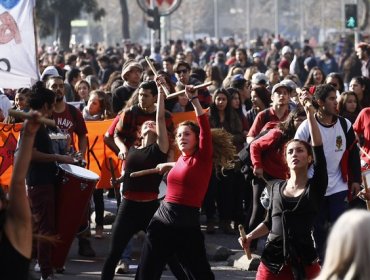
{"x":18,"y":225}
{"x":192,"y":95}
{"x":313,"y":126}
{"x":161,"y":128}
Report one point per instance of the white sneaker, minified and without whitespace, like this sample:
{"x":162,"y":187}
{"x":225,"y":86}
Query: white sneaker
{"x":37,"y":268}
{"x":50,"y":277}
{"x":122,"y":267}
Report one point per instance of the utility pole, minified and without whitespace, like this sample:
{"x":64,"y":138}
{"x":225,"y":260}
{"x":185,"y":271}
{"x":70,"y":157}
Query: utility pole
{"x":277,"y":19}
{"x":215,"y":15}
{"x":248,"y":14}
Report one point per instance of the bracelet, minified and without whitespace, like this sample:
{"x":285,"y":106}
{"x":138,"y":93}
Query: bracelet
{"x":194,"y":97}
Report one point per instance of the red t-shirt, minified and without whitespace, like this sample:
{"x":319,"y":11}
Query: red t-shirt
{"x":362,"y":127}
{"x":187,"y":182}
{"x":112,"y":127}
{"x":70,"y":122}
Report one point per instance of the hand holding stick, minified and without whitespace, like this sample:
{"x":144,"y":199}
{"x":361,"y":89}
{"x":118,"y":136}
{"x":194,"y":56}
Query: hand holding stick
{"x":165,"y":89}
{"x":177,"y":93}
{"x":113,"y":175}
{"x":366,"y":190}
{"x":244,"y":237}
{"x":111,"y":169}
{"x":28,"y":116}
{"x":144,"y":172}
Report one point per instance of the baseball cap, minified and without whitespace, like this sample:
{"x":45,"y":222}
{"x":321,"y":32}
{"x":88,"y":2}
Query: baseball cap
{"x":259,"y":78}
{"x":289,"y":83}
{"x":285,"y":50}
{"x":49,"y":71}
{"x":279,"y":85}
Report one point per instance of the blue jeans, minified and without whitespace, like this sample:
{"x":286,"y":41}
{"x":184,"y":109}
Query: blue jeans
{"x":332,"y":207}
{"x":126,"y":254}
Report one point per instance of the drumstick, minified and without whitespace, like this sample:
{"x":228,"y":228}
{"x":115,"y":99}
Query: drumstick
{"x":363,"y":151}
{"x":116,"y":191}
{"x":177,"y":93}
{"x":111,"y":169}
{"x":156,"y":74}
{"x":144,"y":172}
{"x":366,"y":189}
{"x":244,"y":237}
{"x":24,"y":115}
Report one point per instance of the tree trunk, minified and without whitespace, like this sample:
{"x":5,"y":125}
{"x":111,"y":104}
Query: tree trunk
{"x":125,"y":19}
{"x":65,"y":30}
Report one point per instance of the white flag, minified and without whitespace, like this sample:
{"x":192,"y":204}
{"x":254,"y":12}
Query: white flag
{"x":18,"y":65}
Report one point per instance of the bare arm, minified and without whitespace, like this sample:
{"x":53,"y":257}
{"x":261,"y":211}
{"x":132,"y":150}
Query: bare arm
{"x":18,"y":225}
{"x":164,"y":167}
{"x":121,"y":147}
{"x":82,"y":144}
{"x":316,"y":139}
{"x":161,"y":128}
{"x":109,"y":141}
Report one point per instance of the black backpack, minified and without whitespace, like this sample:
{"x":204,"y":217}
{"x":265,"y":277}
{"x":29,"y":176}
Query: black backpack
{"x":244,"y":154}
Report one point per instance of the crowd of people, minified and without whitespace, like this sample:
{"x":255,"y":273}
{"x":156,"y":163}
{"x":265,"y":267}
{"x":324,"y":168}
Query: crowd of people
{"x":297,"y":117}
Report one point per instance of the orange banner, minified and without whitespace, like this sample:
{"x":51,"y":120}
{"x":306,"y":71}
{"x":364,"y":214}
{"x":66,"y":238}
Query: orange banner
{"x":96,"y":157}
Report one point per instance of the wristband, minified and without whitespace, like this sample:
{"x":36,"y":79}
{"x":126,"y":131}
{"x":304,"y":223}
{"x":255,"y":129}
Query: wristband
{"x":194,"y":97}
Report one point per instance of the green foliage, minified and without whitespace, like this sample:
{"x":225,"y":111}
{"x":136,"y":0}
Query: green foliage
{"x":48,"y":10}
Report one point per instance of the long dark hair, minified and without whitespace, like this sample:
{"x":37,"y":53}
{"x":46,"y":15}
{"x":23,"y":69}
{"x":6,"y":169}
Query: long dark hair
{"x":288,"y":128}
{"x":364,"y":82}
{"x":232,"y":121}
{"x":41,"y":95}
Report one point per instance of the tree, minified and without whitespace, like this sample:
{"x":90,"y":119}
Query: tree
{"x":125,"y":19}
{"x":56,"y":16}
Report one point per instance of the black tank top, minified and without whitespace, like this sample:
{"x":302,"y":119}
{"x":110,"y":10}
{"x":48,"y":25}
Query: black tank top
{"x":140,"y":159}
{"x":13,"y":265}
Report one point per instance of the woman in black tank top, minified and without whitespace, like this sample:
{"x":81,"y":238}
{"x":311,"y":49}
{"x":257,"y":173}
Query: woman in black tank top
{"x":140,"y":194}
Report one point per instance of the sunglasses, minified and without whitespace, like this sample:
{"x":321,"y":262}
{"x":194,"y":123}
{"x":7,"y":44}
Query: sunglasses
{"x":183,"y":71}
{"x":334,"y":85}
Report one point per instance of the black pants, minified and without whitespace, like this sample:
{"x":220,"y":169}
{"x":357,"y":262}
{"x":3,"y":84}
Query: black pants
{"x":258,"y":212}
{"x":99,"y":206}
{"x":132,"y":217}
{"x":164,"y":241}
{"x":225,"y":192}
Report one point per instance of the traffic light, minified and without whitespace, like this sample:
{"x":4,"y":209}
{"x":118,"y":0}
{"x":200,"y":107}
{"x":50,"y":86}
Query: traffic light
{"x":351,"y":15}
{"x":155,"y":22}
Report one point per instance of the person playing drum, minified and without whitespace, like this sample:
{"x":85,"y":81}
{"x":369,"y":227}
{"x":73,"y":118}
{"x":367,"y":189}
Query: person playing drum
{"x":139,"y":201}
{"x":41,"y":178}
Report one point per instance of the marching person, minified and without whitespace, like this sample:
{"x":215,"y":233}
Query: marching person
{"x":175,"y":228}
{"x":140,"y":195}
{"x":15,"y":212}
{"x":344,"y":167}
{"x":42,"y":178}
{"x":290,"y":252}
{"x":70,"y":120}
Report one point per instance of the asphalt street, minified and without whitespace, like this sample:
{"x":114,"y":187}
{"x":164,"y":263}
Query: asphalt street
{"x":90,"y":268}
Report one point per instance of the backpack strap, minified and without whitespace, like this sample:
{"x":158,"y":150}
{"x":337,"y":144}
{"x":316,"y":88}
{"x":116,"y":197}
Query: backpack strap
{"x":266,"y":116}
{"x":344,"y":126}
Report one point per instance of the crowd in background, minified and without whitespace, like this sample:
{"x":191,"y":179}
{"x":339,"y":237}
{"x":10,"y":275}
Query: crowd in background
{"x":253,"y":90}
